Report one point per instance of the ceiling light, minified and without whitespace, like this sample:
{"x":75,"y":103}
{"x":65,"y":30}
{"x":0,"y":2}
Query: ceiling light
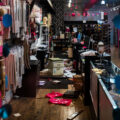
{"x":70,"y":1}
{"x":103,"y":2}
{"x":69,"y":5}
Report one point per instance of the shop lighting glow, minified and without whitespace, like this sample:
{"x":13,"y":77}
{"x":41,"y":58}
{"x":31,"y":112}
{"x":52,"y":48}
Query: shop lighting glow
{"x":69,"y":5}
{"x":103,"y":2}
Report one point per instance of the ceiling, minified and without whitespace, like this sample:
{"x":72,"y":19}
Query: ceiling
{"x":82,"y":4}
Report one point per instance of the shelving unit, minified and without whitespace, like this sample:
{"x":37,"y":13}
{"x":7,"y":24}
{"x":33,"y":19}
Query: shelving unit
{"x":60,"y":44}
{"x":103,"y":35}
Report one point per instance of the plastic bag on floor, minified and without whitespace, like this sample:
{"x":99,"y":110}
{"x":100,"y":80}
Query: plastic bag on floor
{"x":54,"y":94}
{"x":66,"y":102}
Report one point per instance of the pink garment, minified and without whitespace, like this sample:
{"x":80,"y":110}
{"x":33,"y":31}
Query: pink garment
{"x":66,"y":102}
{"x":54,"y":94}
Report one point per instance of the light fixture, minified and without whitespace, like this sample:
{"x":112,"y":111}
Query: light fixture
{"x":69,"y":5}
{"x":103,"y":2}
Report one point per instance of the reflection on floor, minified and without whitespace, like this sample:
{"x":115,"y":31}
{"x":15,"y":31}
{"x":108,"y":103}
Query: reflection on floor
{"x":115,"y":55}
{"x":40,"y":109}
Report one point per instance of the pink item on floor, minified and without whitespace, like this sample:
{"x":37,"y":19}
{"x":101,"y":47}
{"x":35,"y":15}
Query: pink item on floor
{"x":66,"y":102}
{"x":54,"y":94}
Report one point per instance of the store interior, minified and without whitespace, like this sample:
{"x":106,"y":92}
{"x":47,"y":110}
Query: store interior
{"x":60,"y":59}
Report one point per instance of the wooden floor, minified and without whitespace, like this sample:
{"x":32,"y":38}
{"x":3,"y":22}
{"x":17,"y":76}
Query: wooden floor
{"x":39,"y":109}
{"x":115,"y":55}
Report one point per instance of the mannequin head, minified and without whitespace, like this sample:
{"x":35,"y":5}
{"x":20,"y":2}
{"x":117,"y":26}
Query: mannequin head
{"x":45,"y":19}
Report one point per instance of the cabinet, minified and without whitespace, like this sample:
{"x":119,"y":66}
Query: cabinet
{"x":29,"y":81}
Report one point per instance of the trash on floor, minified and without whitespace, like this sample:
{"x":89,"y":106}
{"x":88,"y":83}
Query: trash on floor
{"x":74,"y":115}
{"x":16,"y":97}
{"x":66,"y":102}
{"x":54,"y":94}
{"x":56,"y":81}
{"x":16,"y":114}
{"x":69,"y":74}
{"x":45,"y":72}
{"x":41,"y":83}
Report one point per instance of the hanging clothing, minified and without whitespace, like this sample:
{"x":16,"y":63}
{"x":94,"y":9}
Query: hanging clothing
{"x":14,"y":67}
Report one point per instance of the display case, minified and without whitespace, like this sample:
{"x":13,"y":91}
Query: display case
{"x":105,"y":100}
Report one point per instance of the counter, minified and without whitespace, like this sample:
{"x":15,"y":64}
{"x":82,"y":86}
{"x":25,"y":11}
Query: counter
{"x":104,"y":99}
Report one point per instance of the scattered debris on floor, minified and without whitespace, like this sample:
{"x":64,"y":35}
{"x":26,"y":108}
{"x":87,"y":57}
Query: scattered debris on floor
{"x":16,"y":97}
{"x":66,"y":102}
{"x":74,"y":115}
{"x":41,"y":83}
{"x":56,"y":81}
{"x":16,"y":114}
{"x":54,"y":94}
{"x":71,"y":94}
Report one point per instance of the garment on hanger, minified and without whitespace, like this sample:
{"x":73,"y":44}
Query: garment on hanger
{"x":14,"y":67}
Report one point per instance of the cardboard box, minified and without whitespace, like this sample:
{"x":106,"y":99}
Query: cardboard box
{"x":57,"y":71}
{"x":55,"y":63}
{"x":56,"y":66}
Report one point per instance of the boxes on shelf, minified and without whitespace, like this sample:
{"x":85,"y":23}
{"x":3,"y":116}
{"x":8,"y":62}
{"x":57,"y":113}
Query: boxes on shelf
{"x":56,"y":66}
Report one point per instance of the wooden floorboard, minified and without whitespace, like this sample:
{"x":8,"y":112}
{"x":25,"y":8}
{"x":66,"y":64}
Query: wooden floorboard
{"x":39,"y":109}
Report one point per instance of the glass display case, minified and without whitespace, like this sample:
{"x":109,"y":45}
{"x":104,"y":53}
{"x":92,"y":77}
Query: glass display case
{"x":104,"y":94}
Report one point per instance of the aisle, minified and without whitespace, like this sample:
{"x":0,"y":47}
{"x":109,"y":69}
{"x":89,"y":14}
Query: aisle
{"x":40,"y":109}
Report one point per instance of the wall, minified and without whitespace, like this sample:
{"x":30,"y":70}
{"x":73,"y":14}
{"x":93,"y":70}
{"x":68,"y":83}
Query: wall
{"x":58,"y":18}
